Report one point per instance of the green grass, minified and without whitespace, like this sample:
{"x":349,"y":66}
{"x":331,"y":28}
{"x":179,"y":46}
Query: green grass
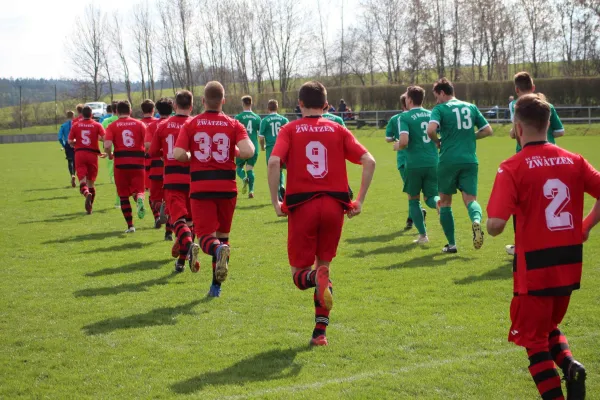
{"x":87,"y":312}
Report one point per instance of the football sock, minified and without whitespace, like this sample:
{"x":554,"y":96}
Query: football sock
{"x":155,"y":207}
{"x":321,"y":316}
{"x":126,"y":210}
{"x":447,"y":221}
{"x":474,"y":211}
{"x":93,"y":192}
{"x":250,"y":180}
{"x":416,"y":214}
{"x":306,"y":278}
{"x":214,"y":267}
{"x":209,"y":244}
{"x":544,"y":374}
{"x":241,"y":173}
{"x":432,"y":201}
{"x":559,"y":349}
{"x":83,"y":189}
{"x":184,"y":237}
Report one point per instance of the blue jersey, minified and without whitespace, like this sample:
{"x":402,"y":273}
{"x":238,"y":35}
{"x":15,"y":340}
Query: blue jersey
{"x":63,"y":133}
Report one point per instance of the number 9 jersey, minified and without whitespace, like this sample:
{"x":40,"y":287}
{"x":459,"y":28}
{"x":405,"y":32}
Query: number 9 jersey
{"x":543,"y":186}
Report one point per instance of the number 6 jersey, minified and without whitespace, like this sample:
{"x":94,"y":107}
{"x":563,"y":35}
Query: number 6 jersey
{"x":127,"y":135}
{"x":543,"y":186}
{"x":315,"y":151}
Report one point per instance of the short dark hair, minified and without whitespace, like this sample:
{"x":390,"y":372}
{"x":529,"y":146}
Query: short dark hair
{"x":524,"y":81}
{"x":79,"y":108}
{"x":183,"y":99}
{"x":164,"y":106}
{"x":123,"y":107}
{"x":147,"y":106}
{"x":87,"y":112}
{"x":247,"y":100}
{"x":532,"y":110}
{"x":443,"y":85}
{"x":416,"y":94}
{"x":272,"y":105}
{"x":109,"y":108}
{"x":214,"y":93}
{"x":313,"y":94}
{"x":403,"y":101}
{"x":70,"y":114}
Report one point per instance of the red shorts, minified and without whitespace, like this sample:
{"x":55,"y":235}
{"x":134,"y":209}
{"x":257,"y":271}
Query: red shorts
{"x":86,"y":165}
{"x":534,"y":317}
{"x":314,"y":229}
{"x":129,"y":181}
{"x":156,"y":190}
{"x":178,"y":204}
{"x":212,"y":215}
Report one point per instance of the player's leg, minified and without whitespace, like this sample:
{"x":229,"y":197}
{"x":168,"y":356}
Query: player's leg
{"x":123,"y":191}
{"x":225,"y":211}
{"x":447,"y":183}
{"x":70,"y":156}
{"x":409,"y":221}
{"x":177,"y":203}
{"x":111,"y":170}
{"x":467,"y":183}
{"x":137,"y":182}
{"x":412,"y":187}
{"x":250,"y":174}
{"x":241,"y":172}
{"x":156,"y":198}
{"x":91,"y":174}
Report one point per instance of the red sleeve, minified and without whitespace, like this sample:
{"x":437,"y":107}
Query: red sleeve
{"x":150,"y":132}
{"x":240,"y":132}
{"x":352,"y":148}
{"x":183,"y":139}
{"x":591,"y":179}
{"x":142,"y":132}
{"x":109,"y":133}
{"x":503,"y":200}
{"x":155,"y":145}
{"x":282,"y":145}
{"x":71,"y":134}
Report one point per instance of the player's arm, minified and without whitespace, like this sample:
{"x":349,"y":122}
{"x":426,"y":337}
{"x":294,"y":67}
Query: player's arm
{"x":502,"y":203}
{"x":368,"y":170}
{"x":108,"y":142}
{"x":556,"y":125}
{"x":71,"y":138}
{"x":280,"y":152}
{"x":261,"y":135}
{"x":389,"y":132}
{"x":246,"y":148}
{"x":591,"y":183}
{"x":432,"y":128}
{"x":484,"y":132}
{"x":485,"y":128}
{"x":404,"y":137}
{"x":154,"y":149}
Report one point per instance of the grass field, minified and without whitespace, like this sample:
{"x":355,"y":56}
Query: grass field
{"x":88,"y":312}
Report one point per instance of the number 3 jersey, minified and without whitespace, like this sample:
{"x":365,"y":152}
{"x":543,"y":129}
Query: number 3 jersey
{"x":543,"y":186}
{"x":315,"y":151}
{"x":127,"y":135}
{"x":211,"y":138}
{"x":176,"y":174}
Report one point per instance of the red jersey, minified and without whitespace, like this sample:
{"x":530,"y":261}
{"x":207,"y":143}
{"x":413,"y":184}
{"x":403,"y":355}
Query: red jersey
{"x":315,"y":151}
{"x":176,"y":174}
{"x":77,"y":120}
{"x":156,"y":163}
{"x":543,"y":186}
{"x":86,"y":135}
{"x":148,"y":120}
{"x":211,"y":137}
{"x":127,"y":135}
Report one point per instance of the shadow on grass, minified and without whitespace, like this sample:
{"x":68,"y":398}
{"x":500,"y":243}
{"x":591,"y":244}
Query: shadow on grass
{"x":66,"y":217}
{"x":379,"y":238}
{"x":129,"y":268}
{"x":49,"y":189}
{"x":49,"y":198}
{"x":429,"y":260}
{"x":399,"y":248}
{"x":278,"y":221}
{"x":125,"y":287}
{"x":87,"y":236}
{"x":252,"y":207}
{"x":265,"y":366}
{"x":502,"y":272}
{"x":157,"y":317}
{"x":120,"y":247}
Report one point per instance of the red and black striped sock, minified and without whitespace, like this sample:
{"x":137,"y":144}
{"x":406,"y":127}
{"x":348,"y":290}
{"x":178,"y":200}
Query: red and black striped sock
{"x":544,"y":373}
{"x":209,"y":244}
{"x":559,"y":348}
{"x":305,"y":278}
{"x":184,"y":237}
{"x":93,"y":192}
{"x":83,"y":189}
{"x":168,"y":226}
{"x":321,"y":316}
{"x":126,"y":210}
{"x":155,"y":207}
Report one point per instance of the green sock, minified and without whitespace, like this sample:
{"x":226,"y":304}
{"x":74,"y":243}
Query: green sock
{"x":416,"y":214}
{"x":474,"y":211}
{"x":447,"y":221}
{"x":251,"y":180}
{"x":432,"y":201}
{"x":241,"y":173}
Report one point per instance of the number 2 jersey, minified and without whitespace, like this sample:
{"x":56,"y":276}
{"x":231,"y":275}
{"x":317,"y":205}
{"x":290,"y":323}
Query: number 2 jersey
{"x":176,"y":174}
{"x":315,"y":151}
{"x":211,"y":138}
{"x":127,"y":135}
{"x":544,"y":185}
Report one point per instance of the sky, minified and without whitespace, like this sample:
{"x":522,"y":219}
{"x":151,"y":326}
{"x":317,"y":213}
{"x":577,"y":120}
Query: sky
{"x":33,"y":34}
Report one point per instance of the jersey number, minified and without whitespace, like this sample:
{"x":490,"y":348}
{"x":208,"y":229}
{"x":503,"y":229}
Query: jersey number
{"x":426,"y":137}
{"x":317,"y":155}
{"x":465,"y":122}
{"x":249,"y":127}
{"x":170,"y":145}
{"x":556,"y":218}
{"x":85,"y":138}
{"x":205,"y":152}
{"x":128,"y":138}
{"x":274,"y":128}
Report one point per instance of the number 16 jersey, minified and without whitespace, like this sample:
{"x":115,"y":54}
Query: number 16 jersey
{"x":544,"y":185}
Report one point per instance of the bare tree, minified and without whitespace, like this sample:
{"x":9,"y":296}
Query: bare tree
{"x":323,"y":39}
{"x":117,"y":36}
{"x":539,"y":18}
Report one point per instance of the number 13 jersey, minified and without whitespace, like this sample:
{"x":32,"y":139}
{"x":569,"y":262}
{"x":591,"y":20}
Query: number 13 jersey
{"x":543,"y":186}
{"x":315,"y":151}
{"x":211,"y":138}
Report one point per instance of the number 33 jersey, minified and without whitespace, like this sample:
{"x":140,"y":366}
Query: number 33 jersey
{"x":543,"y":186}
{"x":211,"y":138}
{"x":127,"y":135}
{"x":176,"y":174}
{"x":315,"y":151}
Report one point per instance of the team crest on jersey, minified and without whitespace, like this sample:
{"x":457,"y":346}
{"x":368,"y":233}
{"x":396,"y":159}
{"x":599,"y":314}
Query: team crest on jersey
{"x":542,"y":161}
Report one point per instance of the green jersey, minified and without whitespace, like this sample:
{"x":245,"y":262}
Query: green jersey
{"x":109,"y":120}
{"x":269,"y":128}
{"x":457,"y":121}
{"x":555,"y":125}
{"x":421,"y":152}
{"x":392,"y":131}
{"x":334,"y":118}
{"x":252,"y":123}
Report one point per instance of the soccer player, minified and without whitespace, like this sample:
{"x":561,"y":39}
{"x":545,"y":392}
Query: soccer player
{"x":544,"y":185}
{"x":127,"y":135}
{"x":155,"y":173}
{"x":79,"y":117}
{"x":111,"y":163}
{"x":315,"y":151}
{"x":147,"y":118}
{"x":269,"y":129}
{"x":109,"y":113}
{"x":458,"y":164}
{"x":392,"y":134}
{"x":421,"y":159}
{"x":209,"y":142}
{"x":63,"y":139}
{"x":84,"y":138}
{"x":339,"y":121}
{"x":524,"y":85}
{"x":252,"y":123}
{"x":176,"y":179}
